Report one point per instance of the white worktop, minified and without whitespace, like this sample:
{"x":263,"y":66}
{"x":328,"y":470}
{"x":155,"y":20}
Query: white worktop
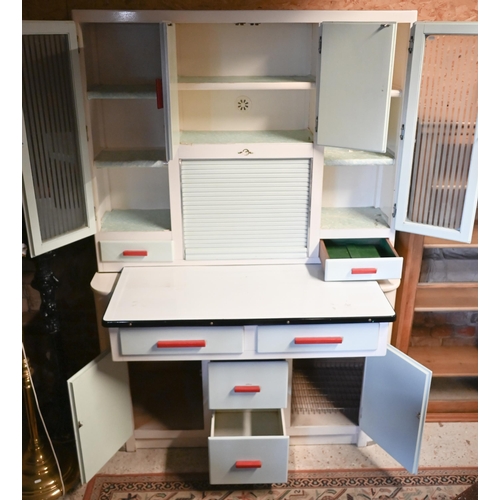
{"x":241,"y":294}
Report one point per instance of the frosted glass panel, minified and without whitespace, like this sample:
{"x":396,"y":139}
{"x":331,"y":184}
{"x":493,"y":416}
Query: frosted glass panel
{"x":52,"y":134}
{"x":447,"y":114}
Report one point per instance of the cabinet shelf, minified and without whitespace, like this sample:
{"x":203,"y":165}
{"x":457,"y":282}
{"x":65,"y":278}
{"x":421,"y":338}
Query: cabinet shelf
{"x":136,"y":220}
{"x":367,"y":219}
{"x":243,"y":136}
{"x":448,"y":361}
{"x":144,"y":91}
{"x":154,"y":157}
{"x":446,"y":297}
{"x":246,"y":83}
{"x":343,"y":157}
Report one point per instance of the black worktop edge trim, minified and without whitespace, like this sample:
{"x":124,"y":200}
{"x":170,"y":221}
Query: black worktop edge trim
{"x":243,"y":322}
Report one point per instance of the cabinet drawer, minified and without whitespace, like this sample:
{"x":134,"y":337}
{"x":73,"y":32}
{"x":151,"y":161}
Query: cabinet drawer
{"x":360,"y":259}
{"x":345,"y":339}
{"x":136,"y":252}
{"x":177,"y":341}
{"x":248,"y":447}
{"x":247,"y":384}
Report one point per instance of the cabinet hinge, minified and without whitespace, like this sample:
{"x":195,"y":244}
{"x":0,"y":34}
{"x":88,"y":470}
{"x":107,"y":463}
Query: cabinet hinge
{"x":394,"y":210}
{"x":402,"y":134}
{"x":320,"y":44}
{"x":410,"y":46}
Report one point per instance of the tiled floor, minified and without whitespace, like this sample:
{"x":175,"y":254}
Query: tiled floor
{"x":444,"y":444}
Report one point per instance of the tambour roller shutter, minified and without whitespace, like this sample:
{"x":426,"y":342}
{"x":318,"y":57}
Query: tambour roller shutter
{"x":245,"y":209}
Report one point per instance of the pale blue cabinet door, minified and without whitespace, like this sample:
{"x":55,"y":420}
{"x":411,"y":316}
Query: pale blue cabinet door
{"x":394,"y":405}
{"x":101,"y":408}
{"x":355,"y":82}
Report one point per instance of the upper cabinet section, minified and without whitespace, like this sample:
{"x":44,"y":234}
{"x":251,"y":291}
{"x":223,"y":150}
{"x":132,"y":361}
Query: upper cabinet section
{"x":243,"y":76}
{"x":246,"y":82}
{"x":57,"y":190}
{"x":128,"y":87}
{"x":355,"y":82}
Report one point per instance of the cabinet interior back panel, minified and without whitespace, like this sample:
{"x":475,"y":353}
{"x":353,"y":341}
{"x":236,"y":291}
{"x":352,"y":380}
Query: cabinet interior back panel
{"x":139,"y":188}
{"x":244,"y":50}
{"x":127,"y":124}
{"x":122,"y":53}
{"x":245,"y":110}
{"x":246,"y":209}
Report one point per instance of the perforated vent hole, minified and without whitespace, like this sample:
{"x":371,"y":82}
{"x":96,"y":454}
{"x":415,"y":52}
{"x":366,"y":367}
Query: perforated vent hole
{"x":243,"y":103}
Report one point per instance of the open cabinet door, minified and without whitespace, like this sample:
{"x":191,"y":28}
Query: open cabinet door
{"x":437,"y":188}
{"x":169,"y":88}
{"x":57,"y":189}
{"x":354,"y":85}
{"x":101,"y":408}
{"x":394,"y":405}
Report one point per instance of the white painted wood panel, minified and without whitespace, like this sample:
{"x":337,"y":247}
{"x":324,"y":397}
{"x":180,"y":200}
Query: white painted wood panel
{"x":355,"y":85}
{"x":101,"y":408}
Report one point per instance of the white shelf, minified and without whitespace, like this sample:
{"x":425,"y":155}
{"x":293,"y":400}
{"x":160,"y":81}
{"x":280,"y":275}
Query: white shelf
{"x":143,"y":158}
{"x":243,"y":136}
{"x":247,"y":83}
{"x":343,"y":157}
{"x":146,"y":91}
{"x":349,"y":219}
{"x":136,"y":220}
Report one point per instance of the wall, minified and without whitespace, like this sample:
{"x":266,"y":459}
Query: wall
{"x":428,"y":10}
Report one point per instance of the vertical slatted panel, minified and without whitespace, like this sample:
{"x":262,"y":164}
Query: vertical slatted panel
{"x":51,"y":129}
{"x":245,"y":209}
{"x":446,"y":125}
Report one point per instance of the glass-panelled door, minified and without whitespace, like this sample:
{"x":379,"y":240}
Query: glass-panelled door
{"x":57,"y":190}
{"x":440,"y":133}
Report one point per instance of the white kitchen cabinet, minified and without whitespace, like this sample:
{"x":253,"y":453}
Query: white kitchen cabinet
{"x":231,"y":146}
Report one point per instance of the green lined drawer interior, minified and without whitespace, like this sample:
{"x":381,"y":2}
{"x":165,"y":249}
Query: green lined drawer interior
{"x":358,"y":249}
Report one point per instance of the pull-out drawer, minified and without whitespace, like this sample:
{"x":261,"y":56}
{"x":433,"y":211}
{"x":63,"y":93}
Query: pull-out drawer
{"x":135,"y":252}
{"x":177,"y":341}
{"x":248,"y":447}
{"x":356,"y":339}
{"x":247,"y":384}
{"x":360,"y":259}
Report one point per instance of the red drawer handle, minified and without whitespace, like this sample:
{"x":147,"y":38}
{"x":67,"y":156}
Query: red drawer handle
{"x":248,"y":464}
{"x":318,"y":340}
{"x":364,"y":270}
{"x":135,"y":253}
{"x":159,"y":94}
{"x":169,"y":344}
{"x":246,"y":388}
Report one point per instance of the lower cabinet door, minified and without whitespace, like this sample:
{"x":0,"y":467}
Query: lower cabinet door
{"x":102,"y":413}
{"x":248,"y":447}
{"x":393,"y":406}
